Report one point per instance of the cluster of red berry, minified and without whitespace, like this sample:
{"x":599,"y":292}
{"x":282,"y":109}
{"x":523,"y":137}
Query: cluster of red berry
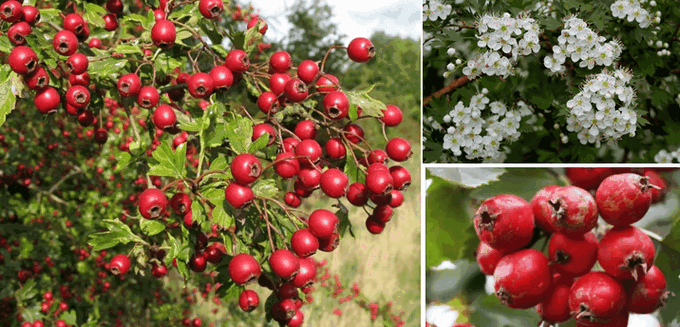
{"x":562,"y":285}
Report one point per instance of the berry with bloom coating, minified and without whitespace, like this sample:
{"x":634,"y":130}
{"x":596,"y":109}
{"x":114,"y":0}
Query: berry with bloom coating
{"x":626,"y":252}
{"x":523,"y":279}
{"x":623,"y":199}
{"x":596,"y":297}
{"x":574,"y":211}
{"x":505,"y":222}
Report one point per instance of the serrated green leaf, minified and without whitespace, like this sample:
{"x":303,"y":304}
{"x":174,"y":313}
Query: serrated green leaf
{"x":180,"y":159}
{"x":104,"y":67}
{"x":27,"y":291}
{"x":353,"y":113}
{"x":239,"y":131}
{"x":127,"y":49}
{"x":265,"y":188}
{"x":69,"y":317}
{"x":197,"y":212}
{"x":259,"y":144}
{"x":123,"y":159}
{"x":94,"y":13}
{"x":369,"y":106}
{"x":151,"y":227}
{"x":220,"y":163}
{"x":169,"y":162}
{"x":7,"y":97}
{"x":221,"y":217}
{"x":118,"y":233}
{"x":354,"y":174}
{"x":253,"y":37}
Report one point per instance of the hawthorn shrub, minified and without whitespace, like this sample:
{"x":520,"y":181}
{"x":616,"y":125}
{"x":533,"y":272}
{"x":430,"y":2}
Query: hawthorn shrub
{"x":574,"y":246}
{"x":139,"y":153}
{"x":550,"y":81}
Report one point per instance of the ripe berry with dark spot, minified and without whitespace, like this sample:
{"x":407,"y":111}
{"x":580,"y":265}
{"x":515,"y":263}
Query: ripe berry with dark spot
{"x":39,"y":80}
{"x":200,"y":85}
{"x":248,"y":300}
{"x":574,"y":211}
{"x":78,"y":96}
{"x":17,"y":33}
{"x":47,"y":101}
{"x":238,"y":195}
{"x":523,"y":279}
{"x":323,"y":223}
{"x":129,"y":85}
{"x":246,"y":168}
{"x":10,"y":11}
{"x":180,"y":203}
{"x":148,"y":97}
{"x":505,"y":222}
{"x":596,"y":297}
{"x":65,"y":43}
{"x":401,"y":178}
{"x":623,"y":199}
{"x":292,"y":200}
{"x":304,"y":243}
{"x":626,"y":253}
{"x":360,"y":50}
{"x":336,"y":105}
{"x":357,"y":194}
{"x":542,"y":209}
{"x":152,"y":203}
{"x":77,"y":63}
{"x":119,"y":264}
{"x":22,"y":60}
{"x":211,"y":9}
{"x":648,"y":293}
{"x":237,"y":61}
{"x":575,"y":256}
{"x":244,"y":269}
{"x":164,"y":117}
{"x":163,"y":34}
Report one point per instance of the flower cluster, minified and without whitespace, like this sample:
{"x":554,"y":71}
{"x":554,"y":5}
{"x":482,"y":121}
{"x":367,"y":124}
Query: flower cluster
{"x":664,"y":156}
{"x":634,"y":11}
{"x":479,"y":135}
{"x":435,"y":10}
{"x":595,"y":114}
{"x":515,"y":36}
{"x":580,"y":43}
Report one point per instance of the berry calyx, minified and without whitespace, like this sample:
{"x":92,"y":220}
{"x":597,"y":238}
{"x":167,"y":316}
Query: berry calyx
{"x":129,"y":85}
{"x":211,"y":9}
{"x":573,"y":256}
{"x":237,"y":61}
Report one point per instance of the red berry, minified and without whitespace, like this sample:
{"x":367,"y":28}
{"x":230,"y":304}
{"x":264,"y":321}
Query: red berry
{"x":238,"y":195}
{"x":77,"y":63}
{"x":353,"y":132}
{"x":111,"y":22}
{"x":237,"y":61}
{"x":523,"y":279}
{"x":289,"y":144}
{"x":623,"y":199}
{"x":587,"y":178}
{"x":114,"y":6}
{"x":357,"y":194}
{"x":336,"y":105}
{"x":152,"y":203}
{"x":658,"y":192}
{"x":163,"y":34}
{"x":401,"y":177}
{"x":374,"y":226}
{"x":47,"y":100}
{"x":335,"y":149}
{"x":305,"y":130}
{"x":129,"y":85}
{"x":555,"y":308}
{"x":392,"y":116}
{"x":266,"y":102}
{"x":304,"y":243}
{"x":292,"y":200}
{"x":164,"y":117}
{"x":542,"y":209}
{"x":248,"y":300}
{"x":277,"y":83}
{"x":334,"y":183}
{"x":286,"y":168}
{"x":396,"y":199}
{"x":246,"y":168}
{"x":323,"y":223}
{"x":80,"y":79}
{"x":159,"y":271}
{"x":625,"y":253}
{"x":379,"y":182}
{"x":101,"y":135}
{"x":78,"y":96}
{"x":17,"y":33}
{"x":95,"y":43}
{"x":31,"y":14}
{"x":254,"y":21}
{"x":327,"y":83}
{"x":310,"y":150}
{"x":86,"y":118}
{"x":398,"y":149}
{"x":307,"y":71}
{"x":148,"y":97}
{"x":10,"y":11}
{"x":65,"y":43}
{"x":505,"y":222}
{"x":280,"y":62}
{"x":596,"y":297}
{"x":382,"y":213}
{"x":211,"y":9}
{"x":180,"y":203}
{"x":487,"y":258}
{"x":360,"y":50}
{"x":309,"y":177}
{"x":22,"y":60}
{"x":284,"y":264}
{"x":574,"y":211}
{"x":648,"y":293}
{"x":197,"y":262}
{"x":330,"y":244}
{"x":261,"y":129}
{"x":39,"y":80}
{"x":575,"y":256}
{"x":244,"y":269}
{"x":200,"y":85}
{"x":119,"y":264}
{"x":295,"y":90}
{"x":222,"y":77}
{"x":306,"y":274}
{"x":297,"y":319}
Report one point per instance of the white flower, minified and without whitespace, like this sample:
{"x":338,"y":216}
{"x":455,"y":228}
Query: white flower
{"x":451,"y":51}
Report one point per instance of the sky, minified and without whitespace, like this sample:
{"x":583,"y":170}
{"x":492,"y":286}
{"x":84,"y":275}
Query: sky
{"x":354,"y":18}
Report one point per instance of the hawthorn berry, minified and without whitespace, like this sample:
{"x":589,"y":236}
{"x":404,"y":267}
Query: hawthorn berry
{"x":222,"y":77}
{"x":334,"y":183}
{"x":357,"y":194}
{"x":246,"y":168}
{"x":307,"y":71}
{"x":398,"y":149}
{"x":80,"y":79}
{"x":542,"y":209}
{"x":200,"y":85}
{"x":22,"y":60}
{"x":266,"y":102}
{"x":596,"y":297}
{"x":305,"y":130}
{"x":152,"y":203}
{"x":327,"y":83}
{"x":163,"y":34}
{"x":197,"y":262}
{"x":374,"y":226}
{"x":292,"y":200}
{"x":39,"y":80}
{"x":284,"y":264}
{"x":360,"y":50}
{"x":77,"y":63}
{"x":295,"y":90}
{"x":304,"y":243}
{"x":164,"y":117}
{"x":522,"y":279}
{"x":623,"y":199}
{"x":286,"y":168}
{"x":335,"y":149}
{"x":306,"y":275}
{"x":379,"y":182}
{"x":17,"y":33}
{"x":309,"y":151}
{"x":504,"y":222}
{"x":238,"y":195}
{"x":47,"y":101}
{"x":129,"y":85}
{"x":353,"y":133}
{"x":573,"y":256}
{"x":211,"y":9}
{"x":261,"y":129}
{"x":119,"y":264}
{"x":237,"y":61}
{"x":65,"y":43}
{"x":574,"y":211}
{"x":336,"y":105}
{"x":31,"y":14}
{"x":10,"y":11}
{"x":277,"y":83}
{"x":248,"y":300}
{"x":280,"y":62}
{"x":487,"y":258}
{"x":323,"y":223}
{"x":392,"y":116}
{"x":625,"y":252}
{"x":180,"y":203}
{"x":648,"y":293}
{"x":101,"y":135}
{"x":256,"y":20}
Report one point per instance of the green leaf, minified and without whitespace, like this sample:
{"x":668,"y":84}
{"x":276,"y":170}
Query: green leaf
{"x":169,"y":163}
{"x":28,"y":291}
{"x":118,"y":233}
{"x":353,"y":112}
{"x":354,"y":174}
{"x":489,"y":312}
{"x":220,"y":163}
{"x":189,"y":125}
{"x":259,"y":144}
{"x":468,"y":177}
{"x":345,"y":224}
{"x":265,"y":188}
{"x":253,"y":37}
{"x":668,"y":260}
{"x":197,"y":212}
{"x":239,"y":131}
{"x":69,"y":317}
{"x":221,"y":217}
{"x":127,"y":49}
{"x":123,"y":159}
{"x":93,"y":14}
{"x":151,"y":227}
{"x":7,"y":97}
{"x":106,"y":66}
{"x":369,"y":106}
